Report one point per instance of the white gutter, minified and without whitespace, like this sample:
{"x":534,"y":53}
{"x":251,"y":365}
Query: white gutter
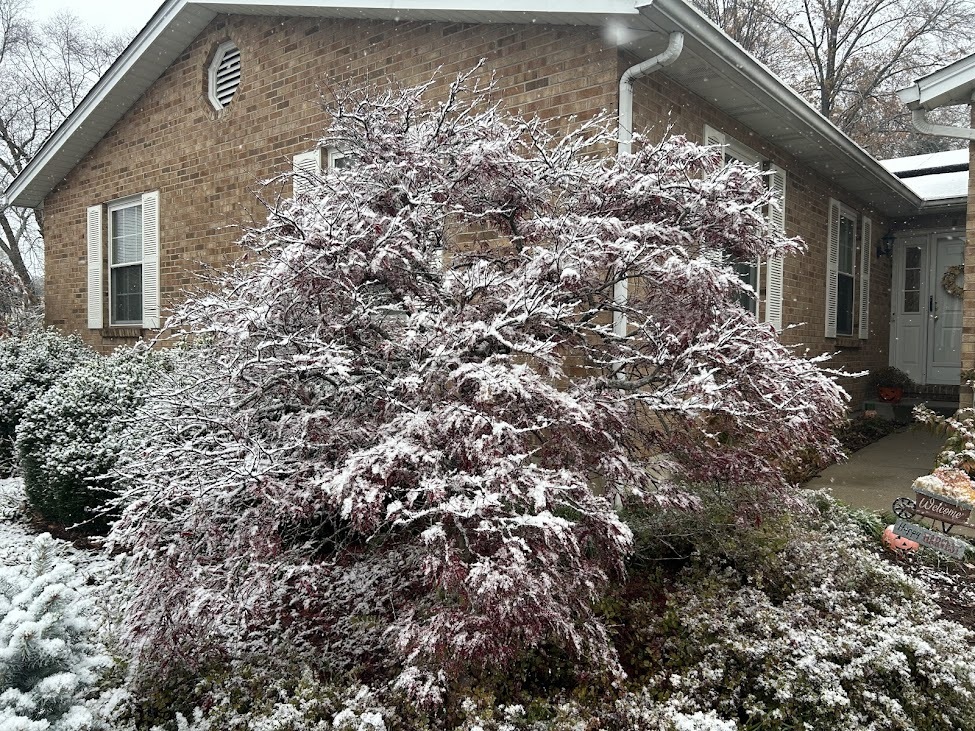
{"x":939,"y":130}
{"x":625,"y":137}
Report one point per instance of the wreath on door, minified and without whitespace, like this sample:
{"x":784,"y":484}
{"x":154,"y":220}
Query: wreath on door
{"x":950,"y":280}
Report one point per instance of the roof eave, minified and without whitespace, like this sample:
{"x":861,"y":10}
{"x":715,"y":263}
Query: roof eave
{"x":777,"y":93}
{"x":954,"y":84}
{"x":36,"y":180}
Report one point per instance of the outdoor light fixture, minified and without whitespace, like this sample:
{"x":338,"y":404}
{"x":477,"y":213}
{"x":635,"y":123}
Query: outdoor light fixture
{"x":885,"y":247}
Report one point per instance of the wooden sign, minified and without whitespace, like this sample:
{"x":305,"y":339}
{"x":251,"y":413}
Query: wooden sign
{"x":940,"y":508}
{"x":932,"y":539}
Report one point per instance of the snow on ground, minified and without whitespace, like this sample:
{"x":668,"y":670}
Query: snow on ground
{"x":102,"y":575}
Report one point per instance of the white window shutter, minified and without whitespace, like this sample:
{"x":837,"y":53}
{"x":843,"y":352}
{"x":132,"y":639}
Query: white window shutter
{"x":832,"y":267}
{"x":306,"y":169}
{"x":150,"y":260}
{"x":866,"y":249}
{"x":713,"y":136}
{"x":96,"y":291}
{"x":774,"y":286}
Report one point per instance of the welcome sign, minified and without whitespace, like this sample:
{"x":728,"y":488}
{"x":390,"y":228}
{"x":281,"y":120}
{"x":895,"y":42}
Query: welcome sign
{"x":933,"y":506}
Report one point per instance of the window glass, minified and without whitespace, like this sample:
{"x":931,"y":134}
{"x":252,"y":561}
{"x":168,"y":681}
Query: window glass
{"x":845,"y":278}
{"x":127,"y":235}
{"x":125,"y":231}
{"x":847,"y":244}
{"x":912,"y":279}
{"x":749,"y":275}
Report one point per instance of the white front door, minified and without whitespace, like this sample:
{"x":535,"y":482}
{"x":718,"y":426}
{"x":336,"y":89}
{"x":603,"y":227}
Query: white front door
{"x":926,"y":319}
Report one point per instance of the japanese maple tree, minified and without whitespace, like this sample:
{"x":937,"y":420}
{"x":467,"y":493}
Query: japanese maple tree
{"x":406,"y":423}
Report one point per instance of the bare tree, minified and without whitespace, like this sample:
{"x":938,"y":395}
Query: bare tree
{"x":848,"y":57}
{"x":752,"y":24}
{"x":45,"y":70}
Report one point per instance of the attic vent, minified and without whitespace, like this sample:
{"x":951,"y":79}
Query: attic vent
{"x":224,"y":75}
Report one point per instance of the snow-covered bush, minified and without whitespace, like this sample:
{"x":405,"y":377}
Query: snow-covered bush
{"x":69,"y":438}
{"x":29,"y":366}
{"x":402,"y":447}
{"x":819,"y":633}
{"x":959,"y":433}
{"x":50,"y":659}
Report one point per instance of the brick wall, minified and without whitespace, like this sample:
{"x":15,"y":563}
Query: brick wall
{"x":205,"y":164}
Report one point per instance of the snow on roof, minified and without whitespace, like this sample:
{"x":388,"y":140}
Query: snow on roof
{"x":925,"y":162}
{"x":940,"y":186}
{"x":944,"y":182}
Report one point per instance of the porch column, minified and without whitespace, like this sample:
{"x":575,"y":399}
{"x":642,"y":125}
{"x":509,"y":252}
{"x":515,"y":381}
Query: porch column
{"x":968,"y":311}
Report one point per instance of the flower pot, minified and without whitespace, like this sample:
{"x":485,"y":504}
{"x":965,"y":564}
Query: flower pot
{"x":890,"y":394}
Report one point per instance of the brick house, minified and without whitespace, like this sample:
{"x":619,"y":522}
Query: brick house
{"x":148,"y":178}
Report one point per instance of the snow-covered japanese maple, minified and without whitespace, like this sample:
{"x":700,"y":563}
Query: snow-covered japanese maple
{"x":401,"y":435}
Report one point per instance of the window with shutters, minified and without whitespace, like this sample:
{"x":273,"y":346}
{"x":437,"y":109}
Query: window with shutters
{"x":307,"y":167}
{"x":223,"y":77}
{"x":129,"y":228}
{"x":770,"y":290}
{"x":841,"y":272}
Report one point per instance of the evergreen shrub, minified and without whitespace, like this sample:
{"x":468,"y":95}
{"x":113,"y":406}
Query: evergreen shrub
{"x":50,"y":660}
{"x":69,"y":439}
{"x":29,"y":366}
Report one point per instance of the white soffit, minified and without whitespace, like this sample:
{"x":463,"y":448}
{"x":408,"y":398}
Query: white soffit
{"x":717,"y":69}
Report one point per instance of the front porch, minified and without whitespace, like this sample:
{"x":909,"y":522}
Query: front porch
{"x":927,"y":278}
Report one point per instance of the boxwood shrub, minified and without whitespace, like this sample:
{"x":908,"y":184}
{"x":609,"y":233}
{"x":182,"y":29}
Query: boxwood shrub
{"x":29,"y":366}
{"x":69,"y":438}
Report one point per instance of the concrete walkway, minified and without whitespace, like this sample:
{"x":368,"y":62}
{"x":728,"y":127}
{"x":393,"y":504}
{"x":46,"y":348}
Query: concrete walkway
{"x":877,"y":474}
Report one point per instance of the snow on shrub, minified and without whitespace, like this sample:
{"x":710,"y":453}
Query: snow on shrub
{"x":402,"y":447}
{"x":50,"y":659}
{"x":822,"y":631}
{"x":69,"y":439}
{"x":29,"y":366}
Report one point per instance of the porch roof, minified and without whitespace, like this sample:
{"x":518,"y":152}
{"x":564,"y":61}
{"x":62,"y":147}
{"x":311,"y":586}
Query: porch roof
{"x":712,"y":66}
{"x":941,"y":178}
{"x":949,"y":86}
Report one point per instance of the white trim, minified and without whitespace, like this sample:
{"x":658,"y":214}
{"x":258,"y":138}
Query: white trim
{"x":118,"y":205}
{"x":832,"y":267}
{"x":150,"y":260}
{"x":775,"y":276}
{"x":950,"y":85}
{"x":306,"y":170}
{"x":213,"y":75}
{"x":159,"y":25}
{"x":178,"y":22}
{"x":838,"y":211}
{"x":333,"y":157}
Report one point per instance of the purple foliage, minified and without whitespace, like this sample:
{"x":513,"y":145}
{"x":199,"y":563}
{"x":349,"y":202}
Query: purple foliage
{"x":402,"y":440}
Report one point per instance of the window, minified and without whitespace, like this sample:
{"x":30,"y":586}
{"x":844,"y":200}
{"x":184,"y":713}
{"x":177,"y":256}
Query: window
{"x":751,"y":272}
{"x":132,"y":259}
{"x":223,"y":76}
{"x":307,"y":167}
{"x":841,"y":274}
{"x":125,"y":263}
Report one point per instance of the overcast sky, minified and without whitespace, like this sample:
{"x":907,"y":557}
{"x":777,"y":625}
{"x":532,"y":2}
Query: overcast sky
{"x":116,"y":16}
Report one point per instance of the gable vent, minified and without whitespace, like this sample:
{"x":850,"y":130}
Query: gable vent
{"x":224,"y":75}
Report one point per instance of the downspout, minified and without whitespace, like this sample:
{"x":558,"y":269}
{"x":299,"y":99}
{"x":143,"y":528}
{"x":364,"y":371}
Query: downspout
{"x":625,"y":136}
{"x":941,"y":130}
